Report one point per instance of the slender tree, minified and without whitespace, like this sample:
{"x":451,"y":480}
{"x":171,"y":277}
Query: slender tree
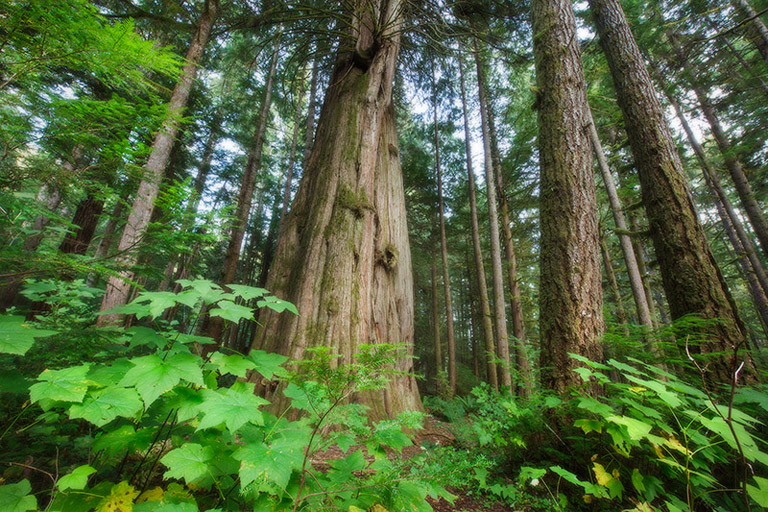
{"x":485,"y":305}
{"x":119,"y":286}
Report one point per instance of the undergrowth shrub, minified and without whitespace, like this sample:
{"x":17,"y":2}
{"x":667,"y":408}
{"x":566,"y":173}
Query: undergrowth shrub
{"x":152,"y":425}
{"x":652,"y":441}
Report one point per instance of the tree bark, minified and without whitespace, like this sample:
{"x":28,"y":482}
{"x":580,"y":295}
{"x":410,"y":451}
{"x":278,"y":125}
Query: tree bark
{"x":485,"y":306}
{"x":438,"y":345}
{"x":571,"y":300}
{"x":692,"y":281}
{"x":118,"y":288}
{"x":499,"y":300}
{"x":343,"y":256}
{"x":450,"y":338}
{"x":633,"y":270}
{"x":86,"y":219}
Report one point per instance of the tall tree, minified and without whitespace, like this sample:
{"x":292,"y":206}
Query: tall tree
{"x":119,"y":286}
{"x":499,"y":299}
{"x":571,"y":300}
{"x":692,"y":280}
{"x":485,"y":305}
{"x":450,"y":338}
{"x":343,"y":256}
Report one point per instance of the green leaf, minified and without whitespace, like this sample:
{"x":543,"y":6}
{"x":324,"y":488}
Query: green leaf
{"x":637,"y":481}
{"x":77,"y":479}
{"x":14,"y":382}
{"x":277,"y":305}
{"x":156,"y":303}
{"x":16,"y":497}
{"x":66,"y":385}
{"x":388,"y":433}
{"x":17,"y":335}
{"x":228,"y":310}
{"x":234,"y":407}
{"x":235,"y":364}
{"x":152,"y":376}
{"x":759,"y":493}
{"x":274,"y":463}
{"x":670,"y":398}
{"x":207,"y":291}
{"x":593,"y":406}
{"x":637,"y":429}
{"x":247,"y":292}
{"x":267,"y":364}
{"x":189,"y":462}
{"x":355,"y":461}
{"x":116,"y":442}
{"x":146,"y":336}
{"x":102,"y":406}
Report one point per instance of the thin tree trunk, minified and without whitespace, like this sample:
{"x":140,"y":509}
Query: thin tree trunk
{"x":743,"y":187}
{"x":640,"y":256}
{"x":571,"y":299}
{"x":245,"y":198}
{"x":633,"y":270}
{"x":485,"y":305}
{"x":292,"y":155}
{"x":621,"y":314}
{"x":343,"y":256}
{"x":438,"y":345}
{"x":525,"y":383}
{"x":311,"y":108}
{"x":499,"y":300}
{"x":450,"y":337}
{"x":118,"y":288}
{"x":758,"y":32}
{"x":692,"y":281}
{"x":107,"y":239}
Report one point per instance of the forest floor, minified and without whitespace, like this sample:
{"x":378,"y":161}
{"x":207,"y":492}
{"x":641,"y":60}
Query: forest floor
{"x":434,"y":433}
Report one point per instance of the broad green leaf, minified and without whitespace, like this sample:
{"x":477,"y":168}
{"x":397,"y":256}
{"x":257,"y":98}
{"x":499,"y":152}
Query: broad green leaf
{"x":593,"y":406}
{"x":247,"y":292}
{"x":152,"y":376}
{"x":589,"y":362}
{"x":17,"y":498}
{"x":388,"y":433}
{"x":187,"y":402}
{"x":228,"y":310}
{"x":268,"y":364}
{"x":66,"y":385}
{"x":190,"y":462}
{"x":77,"y":479}
{"x":670,"y":398}
{"x":274,"y":463}
{"x":14,"y":382}
{"x":17,"y":335}
{"x":207,"y":291}
{"x":355,"y":461}
{"x":637,"y":481}
{"x":637,"y":429}
{"x":233,"y":406}
{"x":277,"y":305}
{"x":146,"y":336}
{"x":529,"y":473}
{"x":102,"y":406}
{"x":156,"y":303}
{"x":116,"y":442}
{"x":552,"y":402}
{"x":759,"y":493}
{"x":235,"y":364}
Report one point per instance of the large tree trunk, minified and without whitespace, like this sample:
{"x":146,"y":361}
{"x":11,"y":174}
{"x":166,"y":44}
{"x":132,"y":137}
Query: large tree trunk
{"x":450,"y":338}
{"x":485,"y":305}
{"x":118,"y":288}
{"x":86,"y":219}
{"x":525,"y":383}
{"x":571,"y":298}
{"x":633,"y":270}
{"x":692,"y":281}
{"x":499,"y":300}
{"x":343,"y":256}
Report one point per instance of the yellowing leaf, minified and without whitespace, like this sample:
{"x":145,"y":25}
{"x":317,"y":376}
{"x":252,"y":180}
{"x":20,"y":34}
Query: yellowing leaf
{"x":673,"y":443}
{"x":120,"y":499}
{"x":637,"y":389}
{"x":155,"y":494}
{"x":659,"y":453}
{"x":601,"y":475}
